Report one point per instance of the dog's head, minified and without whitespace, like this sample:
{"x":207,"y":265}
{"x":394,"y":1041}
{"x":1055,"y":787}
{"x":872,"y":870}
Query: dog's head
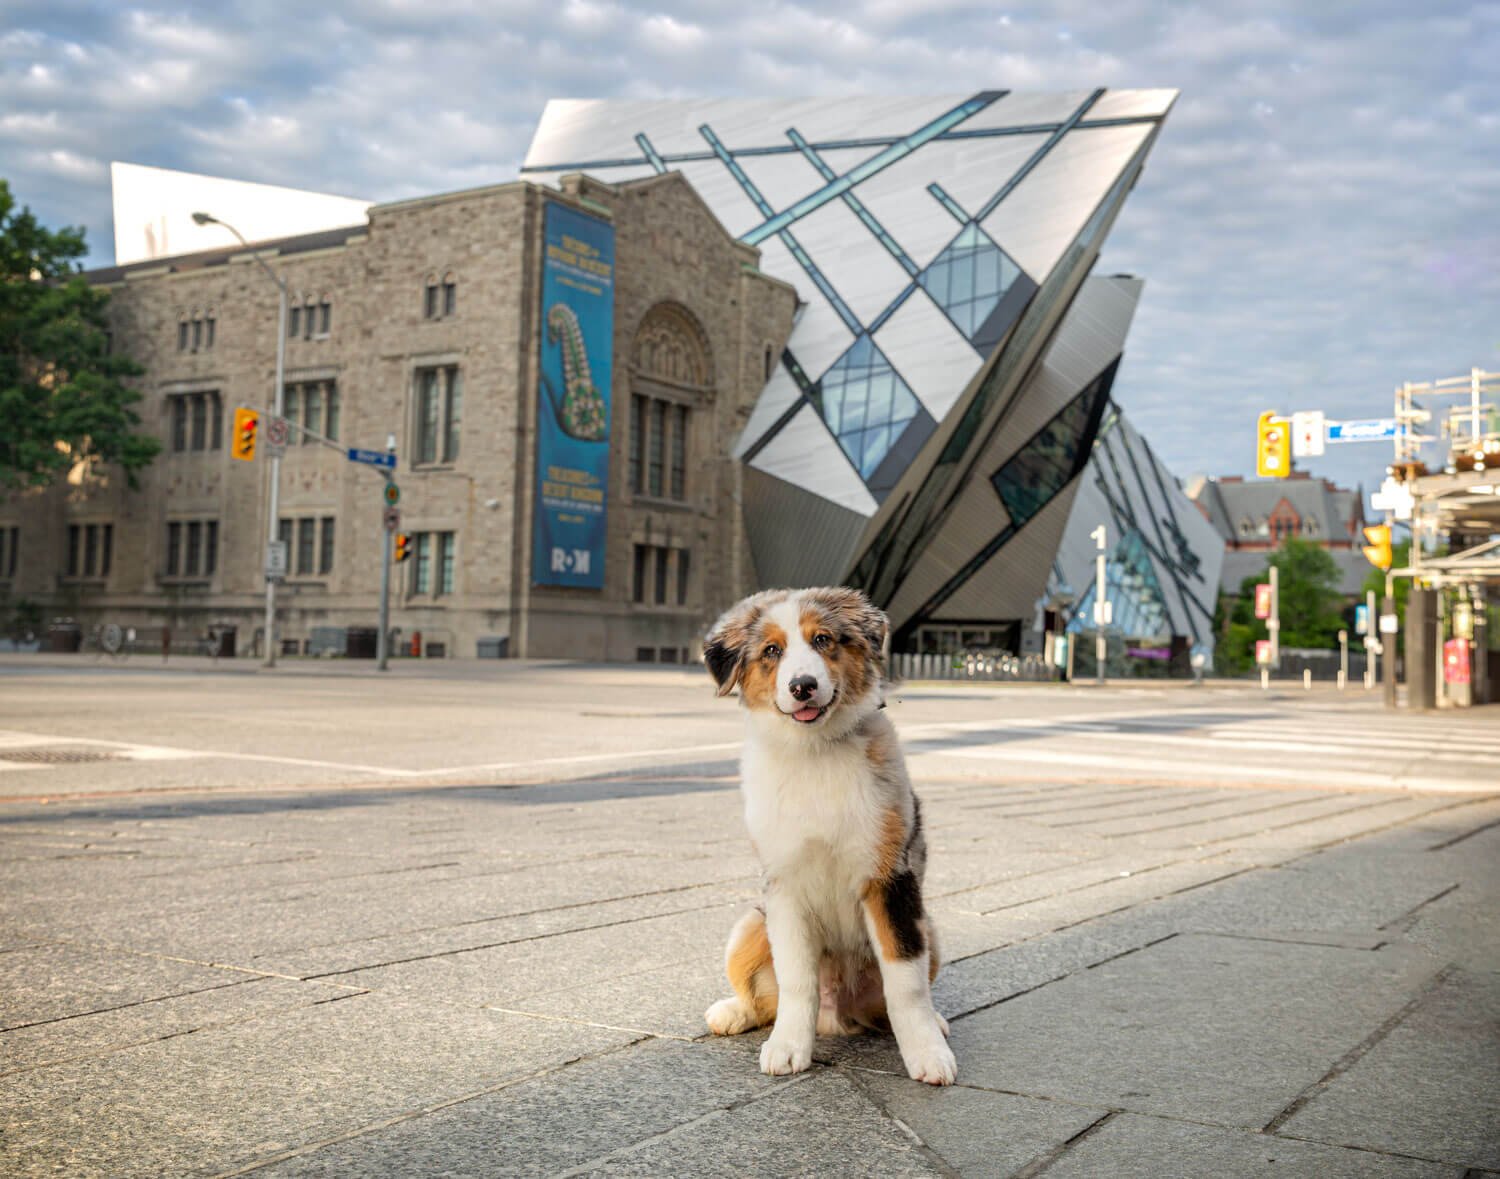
{"x":802,"y":656}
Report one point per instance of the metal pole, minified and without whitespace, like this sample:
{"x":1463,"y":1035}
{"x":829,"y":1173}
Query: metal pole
{"x":1388,"y":643}
{"x":1372,"y":639}
{"x":1274,"y":622}
{"x":272,"y":529}
{"x":1343,"y":659}
{"x":382,"y":640}
{"x":1101,"y":605}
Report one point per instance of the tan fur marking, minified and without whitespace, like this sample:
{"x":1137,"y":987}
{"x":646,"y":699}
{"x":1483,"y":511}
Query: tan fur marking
{"x":748,"y":964}
{"x":889,"y":847}
{"x":758,"y":684}
{"x":875,"y":905}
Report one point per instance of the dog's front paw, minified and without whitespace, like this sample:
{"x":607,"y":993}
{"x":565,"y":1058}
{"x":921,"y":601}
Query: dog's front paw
{"x":782,"y":1055}
{"x":931,"y":1061}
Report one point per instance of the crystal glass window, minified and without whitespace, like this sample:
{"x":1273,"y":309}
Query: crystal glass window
{"x":969,"y":278}
{"x":866,"y":404}
{"x":1052,"y":456}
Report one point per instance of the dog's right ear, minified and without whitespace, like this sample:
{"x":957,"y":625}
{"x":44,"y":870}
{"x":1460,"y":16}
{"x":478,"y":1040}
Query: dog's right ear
{"x":728,"y":640}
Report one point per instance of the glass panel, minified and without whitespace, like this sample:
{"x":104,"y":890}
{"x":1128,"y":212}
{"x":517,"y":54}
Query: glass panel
{"x":307,"y":321}
{"x":422,"y":573}
{"x":197,"y":334}
{"x":658,"y":429}
{"x":969,"y":278}
{"x":182,"y":335}
{"x":427,"y":415}
{"x":90,"y":549}
{"x":682,"y":576}
{"x":430,"y":307}
{"x":174,"y":549}
{"x":179,"y":423}
{"x":194,"y":547}
{"x":208,"y":341}
{"x":1054,"y":454}
{"x":661,"y":576}
{"x":216,"y":435}
{"x":860,"y":396}
{"x":325,"y":317}
{"x":450,"y":298}
{"x":679,"y":451}
{"x":446,"y":549}
{"x":210,"y":547}
{"x":108,"y":549}
{"x":325,"y":552}
{"x":638,"y":584}
{"x":312,"y":412}
{"x":284,"y":534}
{"x":455,"y":413}
{"x":334,"y":409}
{"x":294,"y":322}
{"x":305,"y":541}
{"x":289,"y":411}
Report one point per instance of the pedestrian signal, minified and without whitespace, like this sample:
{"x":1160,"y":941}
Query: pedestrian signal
{"x":246,"y":429}
{"x":403,"y":546}
{"x":1377,"y":548}
{"x":1273,"y":450}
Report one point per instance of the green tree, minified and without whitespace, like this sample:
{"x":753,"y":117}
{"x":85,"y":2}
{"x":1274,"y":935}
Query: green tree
{"x":63,"y":396}
{"x":1310,"y":614}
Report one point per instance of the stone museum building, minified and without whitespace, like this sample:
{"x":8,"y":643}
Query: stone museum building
{"x":421,"y":324}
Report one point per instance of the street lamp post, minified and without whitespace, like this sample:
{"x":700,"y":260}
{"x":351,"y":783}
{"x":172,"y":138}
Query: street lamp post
{"x":278,"y":401}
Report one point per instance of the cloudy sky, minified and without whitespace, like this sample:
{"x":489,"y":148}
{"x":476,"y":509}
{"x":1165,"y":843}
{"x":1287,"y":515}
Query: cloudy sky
{"x":1319,"y":222}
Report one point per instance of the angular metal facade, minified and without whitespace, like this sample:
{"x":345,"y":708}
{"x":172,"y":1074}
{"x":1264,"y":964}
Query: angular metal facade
{"x":925,"y":429}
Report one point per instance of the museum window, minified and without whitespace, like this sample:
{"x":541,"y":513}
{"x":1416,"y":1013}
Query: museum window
{"x":445,"y":562}
{"x":10,"y":546}
{"x":325,"y":547}
{"x":659,"y":575}
{"x":430,"y":298}
{"x":307,"y":529}
{"x":90,"y":549}
{"x":434,"y":563}
{"x":658,"y":447}
{"x":309,"y":544}
{"x":450,"y":294}
{"x":294,"y":321}
{"x":183,"y":329}
{"x":439,"y":413}
{"x":312,"y":405}
{"x":192,"y":548}
{"x":197,"y":421}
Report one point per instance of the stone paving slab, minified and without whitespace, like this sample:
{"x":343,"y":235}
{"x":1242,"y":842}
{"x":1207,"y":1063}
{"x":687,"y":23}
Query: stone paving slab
{"x":233,"y":1094}
{"x":1440,"y":1067}
{"x":1133,"y":1147}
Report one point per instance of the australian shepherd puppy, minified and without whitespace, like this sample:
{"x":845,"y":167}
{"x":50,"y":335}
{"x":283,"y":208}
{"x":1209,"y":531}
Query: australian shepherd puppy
{"x":840,"y":942}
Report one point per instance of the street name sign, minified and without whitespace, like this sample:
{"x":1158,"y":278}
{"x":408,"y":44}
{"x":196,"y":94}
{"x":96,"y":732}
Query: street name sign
{"x":1365,"y":430}
{"x":1308,"y":432}
{"x":374,"y":458}
{"x":276,"y":558}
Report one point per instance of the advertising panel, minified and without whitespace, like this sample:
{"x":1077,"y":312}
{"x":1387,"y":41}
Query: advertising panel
{"x":577,"y":326}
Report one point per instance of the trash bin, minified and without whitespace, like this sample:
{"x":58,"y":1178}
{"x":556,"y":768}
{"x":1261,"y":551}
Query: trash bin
{"x":360,"y":642}
{"x":66,"y":636}
{"x":224,"y":642}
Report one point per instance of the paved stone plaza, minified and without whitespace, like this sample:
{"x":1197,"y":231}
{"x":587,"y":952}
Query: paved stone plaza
{"x":465,"y":920}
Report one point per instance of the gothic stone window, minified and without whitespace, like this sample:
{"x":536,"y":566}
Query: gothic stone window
{"x":671,"y":377}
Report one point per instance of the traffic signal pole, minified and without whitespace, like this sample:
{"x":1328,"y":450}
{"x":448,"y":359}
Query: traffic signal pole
{"x":382,"y":640}
{"x":274,"y":508}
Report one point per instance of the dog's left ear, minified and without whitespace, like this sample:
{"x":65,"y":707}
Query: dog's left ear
{"x":728,"y":640}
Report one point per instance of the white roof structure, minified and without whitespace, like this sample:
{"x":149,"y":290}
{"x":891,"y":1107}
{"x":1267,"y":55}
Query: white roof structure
{"x":154,"y":210}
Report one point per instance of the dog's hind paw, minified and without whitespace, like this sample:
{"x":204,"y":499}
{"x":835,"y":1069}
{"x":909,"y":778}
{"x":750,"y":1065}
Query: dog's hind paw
{"x":728,"y":1017}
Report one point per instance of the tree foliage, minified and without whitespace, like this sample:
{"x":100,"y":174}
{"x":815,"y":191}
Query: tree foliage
{"x":1311,"y":614}
{"x":63,"y":396}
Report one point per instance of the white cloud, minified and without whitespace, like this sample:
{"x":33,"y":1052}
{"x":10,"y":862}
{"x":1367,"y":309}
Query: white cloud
{"x":1315,"y":226}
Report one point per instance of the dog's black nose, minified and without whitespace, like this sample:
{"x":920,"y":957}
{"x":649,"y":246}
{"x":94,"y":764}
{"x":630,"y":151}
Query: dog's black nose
{"x":802,"y":687}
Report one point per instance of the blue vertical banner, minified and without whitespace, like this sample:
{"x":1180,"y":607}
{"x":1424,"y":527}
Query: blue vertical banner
{"x":577,"y":326}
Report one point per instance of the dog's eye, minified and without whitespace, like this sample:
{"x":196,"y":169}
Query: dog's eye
{"x":772,"y":651}
{"x":822,"y":642}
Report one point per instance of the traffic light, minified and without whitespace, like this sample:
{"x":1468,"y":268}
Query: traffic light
{"x":246,"y":430}
{"x":1377,"y":548}
{"x":403,"y":546}
{"x":1273,"y":450}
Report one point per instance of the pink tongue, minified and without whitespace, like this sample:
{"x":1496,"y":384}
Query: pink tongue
{"x":807,"y":714}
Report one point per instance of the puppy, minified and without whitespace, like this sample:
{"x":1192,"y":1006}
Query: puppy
{"x":841,"y":941}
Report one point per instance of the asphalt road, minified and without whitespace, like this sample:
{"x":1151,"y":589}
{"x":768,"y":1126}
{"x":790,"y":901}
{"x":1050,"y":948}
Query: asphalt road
{"x":465,"y":919}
